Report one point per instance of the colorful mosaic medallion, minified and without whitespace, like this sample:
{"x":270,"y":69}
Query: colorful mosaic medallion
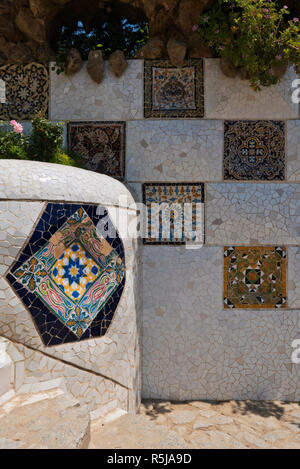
{"x":254,"y":150}
{"x":26,"y":91}
{"x":254,"y":277}
{"x":175,"y":213}
{"x":102,"y":145}
{"x":173,"y":92}
{"x":69,"y":276}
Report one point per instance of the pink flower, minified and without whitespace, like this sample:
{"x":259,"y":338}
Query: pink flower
{"x":296,"y":20}
{"x":278,"y":57}
{"x":286,"y":7}
{"x":18,"y":128}
{"x":195,"y":27}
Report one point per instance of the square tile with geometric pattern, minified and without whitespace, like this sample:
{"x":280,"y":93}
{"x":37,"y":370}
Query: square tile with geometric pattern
{"x":101,"y":144}
{"x":174,"y":213}
{"x":68,"y":275}
{"x":254,"y":150}
{"x":171,"y":92}
{"x":26,"y":91}
{"x":255,"y":277}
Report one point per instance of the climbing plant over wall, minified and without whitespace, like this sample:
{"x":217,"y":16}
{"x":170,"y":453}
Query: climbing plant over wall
{"x":257,"y":38}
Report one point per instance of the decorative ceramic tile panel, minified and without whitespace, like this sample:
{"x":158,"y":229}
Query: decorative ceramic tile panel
{"x":255,"y":277}
{"x":173,"y":92}
{"x":175,"y":213}
{"x":26,"y":90}
{"x":68,"y":275}
{"x":254,"y":150}
{"x":102,"y":145}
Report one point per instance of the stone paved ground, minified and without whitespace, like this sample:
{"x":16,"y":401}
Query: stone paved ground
{"x":197,"y":424}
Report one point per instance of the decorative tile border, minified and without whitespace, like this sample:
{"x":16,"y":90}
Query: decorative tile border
{"x":26,"y":89}
{"x":174,"y":211}
{"x":255,"y":277}
{"x":254,"y":150}
{"x":102,"y":145}
{"x":171,"y":92}
{"x":68,"y":276}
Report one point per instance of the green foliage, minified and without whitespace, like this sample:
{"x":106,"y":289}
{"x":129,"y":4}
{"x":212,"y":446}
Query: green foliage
{"x":114,"y":34}
{"x":46,"y":139}
{"x":258,"y":36}
{"x":13,"y":145}
{"x":44,"y":144}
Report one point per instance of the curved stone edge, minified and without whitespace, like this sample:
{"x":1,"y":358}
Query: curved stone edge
{"x":35,"y":180}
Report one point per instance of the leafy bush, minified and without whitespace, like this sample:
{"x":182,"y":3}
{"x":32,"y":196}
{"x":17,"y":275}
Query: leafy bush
{"x":257,"y":36}
{"x":46,"y":139}
{"x":13,"y":144}
{"x":44,"y":143}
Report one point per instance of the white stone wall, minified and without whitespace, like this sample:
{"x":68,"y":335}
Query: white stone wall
{"x":112,"y":361}
{"x":192,"y":347}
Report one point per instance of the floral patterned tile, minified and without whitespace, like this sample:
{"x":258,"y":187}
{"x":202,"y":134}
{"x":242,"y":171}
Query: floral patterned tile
{"x":101,"y":144}
{"x":171,"y":92}
{"x":254,"y":150}
{"x":26,"y":91}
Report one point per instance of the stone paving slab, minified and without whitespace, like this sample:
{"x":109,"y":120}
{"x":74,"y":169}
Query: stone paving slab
{"x":199,"y":425}
{"x":51,"y":423}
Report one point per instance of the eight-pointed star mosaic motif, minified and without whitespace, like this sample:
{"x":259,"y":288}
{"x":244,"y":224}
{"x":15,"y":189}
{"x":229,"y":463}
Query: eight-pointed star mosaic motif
{"x":254,"y":150}
{"x":175,"y":213}
{"x":26,"y":91}
{"x":255,"y":277}
{"x":101,"y":144}
{"x":68,"y":275}
{"x":171,"y":92}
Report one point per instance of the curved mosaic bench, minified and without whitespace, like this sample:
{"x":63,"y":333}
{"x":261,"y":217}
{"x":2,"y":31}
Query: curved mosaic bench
{"x":67,"y":279}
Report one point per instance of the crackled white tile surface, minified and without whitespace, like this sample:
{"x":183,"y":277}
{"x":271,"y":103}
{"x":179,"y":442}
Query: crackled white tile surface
{"x":293,"y":150}
{"x":174,"y":150}
{"x":193,"y":349}
{"x":294,"y":277}
{"x":46,"y":181}
{"x":16,"y":221}
{"x":79,"y":98}
{"x":252,"y":213}
{"x":232,"y":98}
{"x":93,"y":392}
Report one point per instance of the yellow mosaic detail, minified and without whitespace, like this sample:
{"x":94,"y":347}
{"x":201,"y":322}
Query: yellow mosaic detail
{"x":75,"y":271}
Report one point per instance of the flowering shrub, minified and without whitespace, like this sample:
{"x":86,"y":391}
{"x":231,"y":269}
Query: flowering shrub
{"x":44,"y":143}
{"x":259,"y":37}
{"x":13,"y":144}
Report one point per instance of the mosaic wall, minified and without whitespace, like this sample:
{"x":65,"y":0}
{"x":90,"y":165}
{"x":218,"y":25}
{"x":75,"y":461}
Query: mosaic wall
{"x":102,"y":145}
{"x":26,"y":91}
{"x":226,"y":322}
{"x":175,"y":213}
{"x":171,"y":92}
{"x":69,"y":277}
{"x":254,"y":150}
